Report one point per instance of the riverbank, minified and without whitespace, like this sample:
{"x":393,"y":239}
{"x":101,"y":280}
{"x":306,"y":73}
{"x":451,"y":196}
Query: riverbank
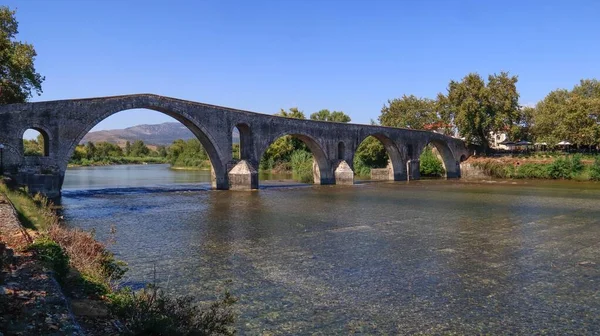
{"x":117,"y":161}
{"x":573,"y":167}
{"x":58,"y":267}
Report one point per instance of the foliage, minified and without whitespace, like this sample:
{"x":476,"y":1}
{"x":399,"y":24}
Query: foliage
{"x":151,"y":312}
{"x":34,"y":147}
{"x":335,"y":116}
{"x":595,"y":169}
{"x":533,"y":170}
{"x":188,"y":153}
{"x":138,"y":148}
{"x":18,"y":77}
{"x":561,"y":168}
{"x":478,"y":108}
{"x":409,"y":112}
{"x":51,"y":254}
{"x":430,"y":164}
{"x":572,"y":115}
{"x":302,"y":166}
{"x":369,"y":154}
{"x":292,"y":113}
{"x":495,"y":169}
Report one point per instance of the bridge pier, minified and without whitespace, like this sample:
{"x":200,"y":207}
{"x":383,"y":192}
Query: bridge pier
{"x":243,"y":176}
{"x":343,"y":173}
{"x":413,"y":169}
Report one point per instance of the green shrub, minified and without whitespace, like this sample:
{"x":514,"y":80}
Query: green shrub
{"x":302,"y":166}
{"x":361,"y":168}
{"x":496,"y":169}
{"x":561,"y":168}
{"x":53,"y":255}
{"x":430,"y":165}
{"x":151,"y":312}
{"x":576,"y":164}
{"x":595,"y":169}
{"x":532,"y":170}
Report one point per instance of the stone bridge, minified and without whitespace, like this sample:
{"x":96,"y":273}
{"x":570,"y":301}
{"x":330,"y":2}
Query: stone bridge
{"x":63,"y":123}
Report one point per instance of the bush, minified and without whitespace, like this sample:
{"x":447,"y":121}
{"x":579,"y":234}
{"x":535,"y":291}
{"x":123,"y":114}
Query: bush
{"x":532,"y":170}
{"x":361,"y":168}
{"x":52,"y":255}
{"x":576,"y":164}
{"x":97,"y":265}
{"x":151,"y":312}
{"x":561,"y":168}
{"x":496,"y":169}
{"x":595,"y":169}
{"x":430,"y":165}
{"x":302,"y":166}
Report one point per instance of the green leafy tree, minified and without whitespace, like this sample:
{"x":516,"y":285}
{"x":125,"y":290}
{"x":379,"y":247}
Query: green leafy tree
{"x":430,"y":164}
{"x":335,"y":116}
{"x":573,"y":115}
{"x":139,"y":149}
{"x":478,"y":108}
{"x":90,"y":150}
{"x":127,"y":148}
{"x":18,"y":77}
{"x":370,"y":154}
{"x":292,"y":113}
{"x":409,"y":112}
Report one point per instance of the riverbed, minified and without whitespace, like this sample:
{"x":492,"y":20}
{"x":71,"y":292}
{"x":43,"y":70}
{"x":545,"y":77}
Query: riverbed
{"x":431,"y":256}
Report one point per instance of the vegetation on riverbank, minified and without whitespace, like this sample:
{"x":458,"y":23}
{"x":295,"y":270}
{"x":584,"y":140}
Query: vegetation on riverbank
{"x":84,"y":266}
{"x":562,"y":167}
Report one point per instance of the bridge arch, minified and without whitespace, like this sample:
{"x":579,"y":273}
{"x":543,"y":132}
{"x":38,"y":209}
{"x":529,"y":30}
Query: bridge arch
{"x":201,"y":133}
{"x":46,"y":137}
{"x":451,"y":165}
{"x":396,"y":159}
{"x":322,"y":171}
{"x":246,"y":143}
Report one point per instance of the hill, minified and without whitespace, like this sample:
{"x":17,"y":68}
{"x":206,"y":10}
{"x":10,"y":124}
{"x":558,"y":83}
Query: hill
{"x":159,"y":134}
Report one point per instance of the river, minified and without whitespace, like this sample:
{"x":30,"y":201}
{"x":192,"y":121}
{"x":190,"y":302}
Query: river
{"x":430,"y":256}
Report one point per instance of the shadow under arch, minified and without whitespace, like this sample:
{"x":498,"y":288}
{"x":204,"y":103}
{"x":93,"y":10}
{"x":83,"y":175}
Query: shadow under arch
{"x":45,"y":137}
{"x":451,"y":165}
{"x":201,"y":134}
{"x":324,"y":174}
{"x":398,"y":163}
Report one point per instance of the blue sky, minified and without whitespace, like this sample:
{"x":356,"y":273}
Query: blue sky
{"x":337,"y":54}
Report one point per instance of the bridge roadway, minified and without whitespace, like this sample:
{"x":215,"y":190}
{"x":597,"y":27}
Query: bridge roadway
{"x":63,"y":123}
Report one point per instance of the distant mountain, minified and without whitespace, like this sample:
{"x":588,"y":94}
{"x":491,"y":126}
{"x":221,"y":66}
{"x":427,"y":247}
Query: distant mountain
{"x":160,"y":134}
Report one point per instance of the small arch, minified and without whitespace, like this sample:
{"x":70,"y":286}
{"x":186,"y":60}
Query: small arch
{"x":382,"y":153}
{"x":36,"y":142}
{"x":341,"y":150}
{"x":441,"y":150}
{"x":241,"y":142}
{"x":300,"y":148}
{"x":463,"y":158}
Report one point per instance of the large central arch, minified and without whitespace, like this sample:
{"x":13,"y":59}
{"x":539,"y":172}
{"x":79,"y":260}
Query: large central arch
{"x":198,"y":130}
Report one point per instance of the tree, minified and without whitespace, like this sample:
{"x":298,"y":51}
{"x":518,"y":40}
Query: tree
{"x":292,"y":113}
{"x":573,"y":115}
{"x":409,"y":112}
{"x":335,"y":116}
{"x":478,"y":109}
{"x":139,"y":149}
{"x":18,"y":77}
{"x":127,"y":148}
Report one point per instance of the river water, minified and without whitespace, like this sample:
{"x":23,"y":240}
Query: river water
{"x":430,"y":257}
